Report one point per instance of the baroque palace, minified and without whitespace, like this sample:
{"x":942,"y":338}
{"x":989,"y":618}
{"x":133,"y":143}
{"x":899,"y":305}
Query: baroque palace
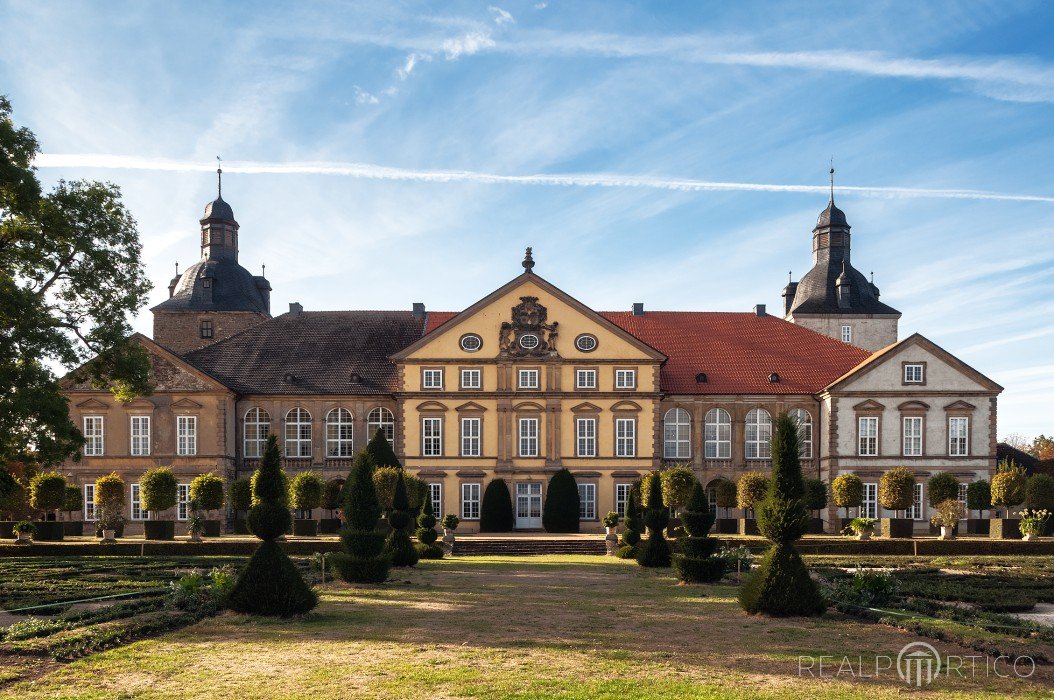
{"x":529,"y":380}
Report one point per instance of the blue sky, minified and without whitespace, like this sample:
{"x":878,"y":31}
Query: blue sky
{"x":379,"y":154}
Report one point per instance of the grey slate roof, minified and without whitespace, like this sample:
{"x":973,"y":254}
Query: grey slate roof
{"x":218,"y":209}
{"x":312,"y":352}
{"x":233,"y":289}
{"x":816,"y":292}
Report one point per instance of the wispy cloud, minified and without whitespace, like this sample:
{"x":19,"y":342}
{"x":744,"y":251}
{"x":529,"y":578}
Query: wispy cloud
{"x":365,"y":98}
{"x":467,"y":45}
{"x":381,"y":172}
{"x":501,"y":16}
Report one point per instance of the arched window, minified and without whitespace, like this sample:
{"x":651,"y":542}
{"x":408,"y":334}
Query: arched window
{"x":257,"y":427}
{"x":383,"y":420}
{"x":677,"y":434}
{"x":759,"y":433}
{"x":298,"y":433}
{"x":803,"y":420}
{"x":718,"y":431}
{"x":339,"y":433}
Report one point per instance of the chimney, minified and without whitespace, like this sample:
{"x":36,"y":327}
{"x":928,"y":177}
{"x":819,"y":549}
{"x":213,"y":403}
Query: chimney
{"x":419,"y":309}
{"x":295,"y":308}
{"x":759,"y":310}
{"x":638,"y":308}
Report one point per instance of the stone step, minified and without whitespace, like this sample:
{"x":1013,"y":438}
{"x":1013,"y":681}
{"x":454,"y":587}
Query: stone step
{"x":522,"y":547}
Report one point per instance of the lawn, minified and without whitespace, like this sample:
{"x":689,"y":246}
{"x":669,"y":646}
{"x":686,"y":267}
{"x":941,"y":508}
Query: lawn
{"x":537,"y":627}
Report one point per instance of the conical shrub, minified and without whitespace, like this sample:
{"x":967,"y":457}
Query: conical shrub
{"x":364,"y":559}
{"x":696,"y":562}
{"x":562,"y":509}
{"x":398,"y":545}
{"x":655,"y":551}
{"x":426,"y":531}
{"x":632,"y":523}
{"x":495,"y":512}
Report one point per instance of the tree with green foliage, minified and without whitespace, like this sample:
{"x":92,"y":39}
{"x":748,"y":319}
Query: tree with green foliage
{"x":815,"y":495}
{"x":74,"y":500}
{"x":1008,"y":485}
{"x":71,"y":274}
{"x":979,"y":496}
{"x":426,"y":532}
{"x":677,"y":481}
{"x":332,"y":493}
{"x":632,"y":525}
{"x":750,"y":491}
{"x":896,"y":489}
{"x":270,"y":584}
{"x":305,"y":491}
{"x":781,"y":584}
{"x":109,"y":502}
{"x":941,"y":487}
{"x":47,"y":492}
{"x":157,"y":490}
{"x":398,"y":545}
{"x":495,"y":512}
{"x":725,"y":494}
{"x":381,"y":452}
{"x":207,"y":491}
{"x":696,"y":562}
{"x":364,"y":559}
{"x":1039,"y":492}
{"x":847,"y":490}
{"x":240,"y":495}
{"x":562,"y":509}
{"x":655,"y":550}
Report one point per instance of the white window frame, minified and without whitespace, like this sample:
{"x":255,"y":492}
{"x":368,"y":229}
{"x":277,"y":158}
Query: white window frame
{"x":471,"y":436}
{"x":867,"y":436}
{"x":182,"y":501}
{"x":585,"y":379}
{"x":959,"y":438}
{"x":677,"y":434}
{"x":94,"y":436}
{"x":89,"y":501}
{"x":622,"y":492}
{"x":470,"y":500}
{"x":917,"y":511}
{"x":869,"y":508}
{"x":340,"y":433}
{"x":139,"y":436}
{"x":528,"y":379}
{"x":432,"y":379}
{"x":758,"y":438}
{"x":528,"y":431}
{"x":963,"y":487}
{"x":186,"y":436}
{"x":472,"y":378}
{"x":298,"y":432}
{"x":911,"y":436}
{"x":254,"y":441}
{"x":717,"y":432}
{"x":847,"y":334}
{"x":135,"y":509}
{"x":435,"y":492}
{"x":625,"y":379}
{"x":587,"y":501}
{"x":381,"y":418}
{"x":586,"y":437}
{"x":803,"y":419}
{"x":431,"y":436}
{"x":625,"y":437}
{"x":914,"y":373}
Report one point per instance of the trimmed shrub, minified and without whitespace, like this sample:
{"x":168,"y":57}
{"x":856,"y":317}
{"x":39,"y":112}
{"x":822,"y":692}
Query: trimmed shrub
{"x":240,"y":493}
{"x":381,"y":452}
{"x":896,"y":489}
{"x":562,"y":508}
{"x":631,"y":523}
{"x":786,"y":481}
{"x":364,"y":559}
{"x":332,"y":494}
{"x":270,"y":584}
{"x":207,"y":490}
{"x":750,"y":490}
{"x":655,"y":551}
{"x":384,"y":479}
{"x":426,"y":526}
{"x":109,"y":502}
{"x":269,"y":516}
{"x":74,"y":499}
{"x":676,"y":484}
{"x":428,"y":551}
{"x":847,"y":491}
{"x":1008,"y":485}
{"x":450,"y":522}
{"x":305,"y":491}
{"x":398,"y":545}
{"x":941,"y":487}
{"x":157,"y":490}
{"x":695,"y":562}
{"x":627,"y":551}
{"x":815,"y":494}
{"x":1039,"y":492}
{"x":725,"y":494}
{"x":47,"y":491}
{"x":781,"y":586}
{"x":495,"y":512}
{"x":979,"y":496}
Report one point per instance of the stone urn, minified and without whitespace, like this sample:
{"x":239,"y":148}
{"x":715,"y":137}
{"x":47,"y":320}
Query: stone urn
{"x":195,"y":536}
{"x":864,"y":535}
{"x":947,"y":533}
{"x":109,"y":536}
{"x":24,"y":538}
{"x":1029,"y":537}
{"x":611,"y":540}
{"x":448,"y":540}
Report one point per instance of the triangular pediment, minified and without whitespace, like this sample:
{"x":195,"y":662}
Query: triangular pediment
{"x":586,"y":407}
{"x":960,"y":406}
{"x":186,"y":403}
{"x":140,"y":404}
{"x":869,"y":405}
{"x":470,"y":406}
{"x":93,"y":404}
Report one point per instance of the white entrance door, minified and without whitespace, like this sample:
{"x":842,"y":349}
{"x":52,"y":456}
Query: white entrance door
{"x":529,"y":506}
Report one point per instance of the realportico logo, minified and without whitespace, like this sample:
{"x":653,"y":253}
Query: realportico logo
{"x":918,"y":665}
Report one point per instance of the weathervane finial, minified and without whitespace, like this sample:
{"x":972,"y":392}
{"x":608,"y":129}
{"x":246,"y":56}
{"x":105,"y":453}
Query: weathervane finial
{"x":528,"y":261}
{"x":219,"y":177}
{"x":177,"y":268}
{"x":832,"y":178}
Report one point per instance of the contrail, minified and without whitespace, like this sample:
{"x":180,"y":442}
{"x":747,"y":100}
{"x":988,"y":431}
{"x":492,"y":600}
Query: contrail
{"x":372,"y":171}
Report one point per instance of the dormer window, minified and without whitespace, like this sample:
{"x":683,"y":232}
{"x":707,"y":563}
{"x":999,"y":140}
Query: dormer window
{"x":914,"y":374}
{"x":206,"y":329}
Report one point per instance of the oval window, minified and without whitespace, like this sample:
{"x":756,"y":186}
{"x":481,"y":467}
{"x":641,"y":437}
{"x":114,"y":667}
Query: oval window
{"x":528,"y":341}
{"x":470,"y":342}
{"x":586,"y":342}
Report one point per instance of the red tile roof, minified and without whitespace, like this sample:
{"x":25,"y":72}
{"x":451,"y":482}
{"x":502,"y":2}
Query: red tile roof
{"x":737,"y":351}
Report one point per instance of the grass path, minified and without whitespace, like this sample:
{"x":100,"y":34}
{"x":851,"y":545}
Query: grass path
{"x":490,"y":627}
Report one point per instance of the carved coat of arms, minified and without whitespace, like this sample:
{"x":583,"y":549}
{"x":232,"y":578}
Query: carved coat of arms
{"x":528,"y":335}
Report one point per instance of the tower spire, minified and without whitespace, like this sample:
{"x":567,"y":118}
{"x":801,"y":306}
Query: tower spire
{"x":219,"y":178}
{"x":832,"y":178}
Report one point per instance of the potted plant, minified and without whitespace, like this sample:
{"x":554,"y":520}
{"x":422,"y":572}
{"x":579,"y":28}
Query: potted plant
{"x":863,"y":527}
{"x":816,"y":501}
{"x":725,"y":497}
{"x":847,"y":491}
{"x":195,"y":522}
{"x":978,"y":498}
{"x":305,"y":493}
{"x":611,"y":527}
{"x":750,"y":491}
{"x":47,"y":493}
{"x":332,"y":500}
{"x":942,"y":487}
{"x":239,"y":495}
{"x":1033,"y":523}
{"x":896,"y":492}
{"x":73,"y":503}
{"x":206,"y":490}
{"x":24,"y":531}
{"x":157,"y":493}
{"x":449,"y":524}
{"x":947,"y":516}
{"x":109,"y":507}
{"x":1008,"y":490}
{"x":1039,"y":495}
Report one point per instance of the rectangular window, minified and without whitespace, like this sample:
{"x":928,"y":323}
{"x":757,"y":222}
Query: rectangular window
{"x":470,"y":501}
{"x":470,"y":430}
{"x":622,"y":498}
{"x":206,"y":329}
{"x":134,"y":510}
{"x":140,"y":435}
{"x":186,"y":435}
{"x":625,"y":378}
{"x":432,"y":379}
{"x":847,"y":334}
{"x":870,"y":507}
{"x":432,"y":437}
{"x":528,"y":437}
{"x":868,"y":434}
{"x":93,"y":436}
{"x":958,"y":436}
{"x":913,"y":374}
{"x":915,"y":512}
{"x":471,"y":379}
{"x":587,"y":501}
{"x":89,"y":501}
{"x":912,"y":436}
{"x":625,"y":437}
{"x":528,"y":379}
{"x":585,"y":379}
{"x":586,"y":432}
{"x":182,"y":501}
{"x":962,"y":499}
{"x":435,"y":492}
